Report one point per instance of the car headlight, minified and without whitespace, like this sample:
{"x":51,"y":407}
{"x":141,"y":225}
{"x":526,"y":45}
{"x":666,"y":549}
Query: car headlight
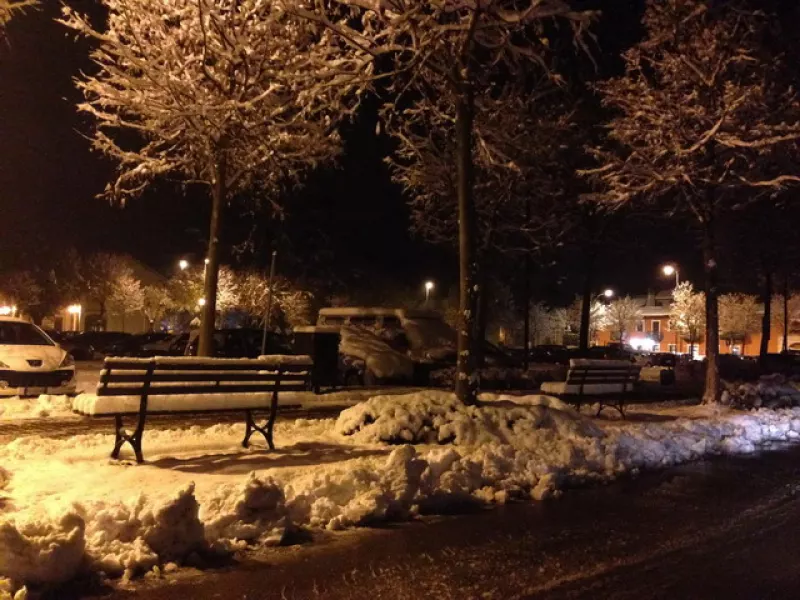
{"x":68,"y":361}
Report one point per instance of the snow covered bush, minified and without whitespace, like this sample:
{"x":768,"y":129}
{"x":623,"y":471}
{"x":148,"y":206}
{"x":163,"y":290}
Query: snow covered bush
{"x":434,"y":417}
{"x":770,"y":391}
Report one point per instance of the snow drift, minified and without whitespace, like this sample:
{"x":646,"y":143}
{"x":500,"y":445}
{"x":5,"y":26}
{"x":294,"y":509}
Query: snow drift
{"x":69,"y":510}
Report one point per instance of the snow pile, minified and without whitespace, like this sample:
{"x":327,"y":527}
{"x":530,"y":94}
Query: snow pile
{"x":69,"y":509}
{"x":771,"y":391}
{"x":377,"y":355}
{"x":436,"y":417}
{"x":42,"y":406}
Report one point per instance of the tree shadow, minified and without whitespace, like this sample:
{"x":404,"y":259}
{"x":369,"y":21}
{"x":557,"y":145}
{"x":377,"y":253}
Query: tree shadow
{"x":298,"y":455}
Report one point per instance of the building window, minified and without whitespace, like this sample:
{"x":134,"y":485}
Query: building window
{"x":673,"y":348}
{"x":656,"y":347}
{"x":656,"y":326}
{"x":640,"y":326}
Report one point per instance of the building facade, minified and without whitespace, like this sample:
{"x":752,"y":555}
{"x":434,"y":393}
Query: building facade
{"x":654,"y":333}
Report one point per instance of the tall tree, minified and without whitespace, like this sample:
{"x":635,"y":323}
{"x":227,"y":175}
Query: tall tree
{"x":157,"y":302}
{"x":621,"y":316}
{"x":786,"y":315}
{"x":704,"y":119}
{"x":229,"y":94}
{"x":102,"y":271}
{"x":738,"y":317}
{"x":687,"y":314}
{"x":127,"y":296}
{"x":459,"y":50}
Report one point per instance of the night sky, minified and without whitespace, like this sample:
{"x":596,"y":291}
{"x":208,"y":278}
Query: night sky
{"x":49,"y":179}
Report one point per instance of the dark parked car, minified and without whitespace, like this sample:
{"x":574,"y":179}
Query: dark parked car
{"x":243,"y":343}
{"x":134,"y":345}
{"x":100,"y":341}
{"x":79,"y":350}
{"x":662,"y":359}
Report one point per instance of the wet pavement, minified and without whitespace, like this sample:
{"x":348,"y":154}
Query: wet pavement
{"x":724,"y":528}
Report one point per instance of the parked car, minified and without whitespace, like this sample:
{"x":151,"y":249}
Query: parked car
{"x":172,"y":345}
{"x":662,"y":359}
{"x":79,"y":350}
{"x":100,"y":341}
{"x":242,"y":343}
{"x":31,"y":363}
{"x":134,"y":345}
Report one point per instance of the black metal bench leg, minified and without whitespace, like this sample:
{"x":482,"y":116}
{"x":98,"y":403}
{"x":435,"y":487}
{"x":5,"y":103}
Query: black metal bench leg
{"x":119,"y":436}
{"x":251,"y":427}
{"x":273,"y":411}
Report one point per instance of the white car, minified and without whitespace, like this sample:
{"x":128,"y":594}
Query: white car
{"x":31,"y":363}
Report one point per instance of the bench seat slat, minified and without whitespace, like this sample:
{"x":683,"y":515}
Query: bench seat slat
{"x":167,"y":390}
{"x":159,"y":376}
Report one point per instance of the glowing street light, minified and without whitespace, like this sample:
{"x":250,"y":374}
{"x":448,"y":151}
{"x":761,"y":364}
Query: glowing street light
{"x":669,"y":271}
{"x":201,"y":302}
{"x":183,"y":264}
{"x":609,"y":293}
{"x":429,"y":285}
{"x":75,"y":310}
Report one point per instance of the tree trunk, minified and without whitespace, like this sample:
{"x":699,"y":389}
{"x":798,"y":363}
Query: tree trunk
{"x":766,"y":321}
{"x":482,"y":319}
{"x":711,"y":394}
{"x":466,"y":383}
{"x":785,"y":310}
{"x":205,"y":344}
{"x":526,"y":294}
{"x":586,"y":300}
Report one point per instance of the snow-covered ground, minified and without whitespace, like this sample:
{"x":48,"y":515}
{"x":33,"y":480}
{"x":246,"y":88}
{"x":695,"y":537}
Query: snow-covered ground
{"x":66,"y":509}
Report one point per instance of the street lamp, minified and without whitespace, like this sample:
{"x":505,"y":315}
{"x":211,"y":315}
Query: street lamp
{"x":201,"y":302}
{"x":609,"y":293}
{"x":669,"y":271}
{"x":75,"y":311}
{"x":429,"y":285}
{"x":183,"y":264}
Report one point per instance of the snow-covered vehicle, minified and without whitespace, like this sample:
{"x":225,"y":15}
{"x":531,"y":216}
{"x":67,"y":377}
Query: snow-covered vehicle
{"x":31,"y":363}
{"x":390,"y":344}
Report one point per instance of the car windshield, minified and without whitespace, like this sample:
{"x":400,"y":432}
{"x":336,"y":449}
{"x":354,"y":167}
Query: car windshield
{"x":22,"y":334}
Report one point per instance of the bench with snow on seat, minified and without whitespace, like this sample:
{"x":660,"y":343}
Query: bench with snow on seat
{"x":168,"y":385}
{"x":605,"y":381}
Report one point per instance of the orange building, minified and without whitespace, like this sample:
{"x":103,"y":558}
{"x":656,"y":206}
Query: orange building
{"x":653,"y":333}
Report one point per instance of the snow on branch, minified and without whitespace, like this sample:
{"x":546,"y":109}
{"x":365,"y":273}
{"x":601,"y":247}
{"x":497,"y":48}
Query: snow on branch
{"x":199,"y":80}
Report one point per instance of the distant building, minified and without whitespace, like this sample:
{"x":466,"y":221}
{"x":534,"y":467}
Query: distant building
{"x":654,"y":333}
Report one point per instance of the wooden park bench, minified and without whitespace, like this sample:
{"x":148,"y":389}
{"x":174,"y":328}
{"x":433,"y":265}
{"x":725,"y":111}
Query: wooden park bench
{"x":608,"y":382}
{"x":165,"y":386}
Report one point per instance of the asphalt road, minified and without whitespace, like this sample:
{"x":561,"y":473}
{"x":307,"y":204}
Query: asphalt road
{"x":725,"y":528}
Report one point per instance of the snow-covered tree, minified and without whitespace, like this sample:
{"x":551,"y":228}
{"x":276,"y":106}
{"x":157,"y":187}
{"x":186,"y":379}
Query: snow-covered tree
{"x":547,"y":325}
{"x":439,"y":57}
{"x":9,"y":8}
{"x":21,"y":289}
{"x":786,"y":315}
{"x":621,"y":316}
{"x":738,"y":317}
{"x":101,"y":272}
{"x":597,"y":317}
{"x":157,"y":302}
{"x":290,"y":306}
{"x":229,"y":94}
{"x":687,"y":313}
{"x":706,"y":119}
{"x":127,"y":296}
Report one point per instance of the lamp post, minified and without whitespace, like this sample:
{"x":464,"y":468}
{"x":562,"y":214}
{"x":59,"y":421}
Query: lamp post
{"x":429,"y":285}
{"x":669,"y":271}
{"x":183,"y":264}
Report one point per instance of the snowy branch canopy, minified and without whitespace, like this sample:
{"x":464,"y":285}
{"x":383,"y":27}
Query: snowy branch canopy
{"x":9,"y":8}
{"x":704,"y":104}
{"x":517,"y":141}
{"x":231,"y":90}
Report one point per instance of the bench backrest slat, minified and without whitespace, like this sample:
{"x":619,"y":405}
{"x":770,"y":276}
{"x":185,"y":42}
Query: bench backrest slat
{"x":160,"y":376}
